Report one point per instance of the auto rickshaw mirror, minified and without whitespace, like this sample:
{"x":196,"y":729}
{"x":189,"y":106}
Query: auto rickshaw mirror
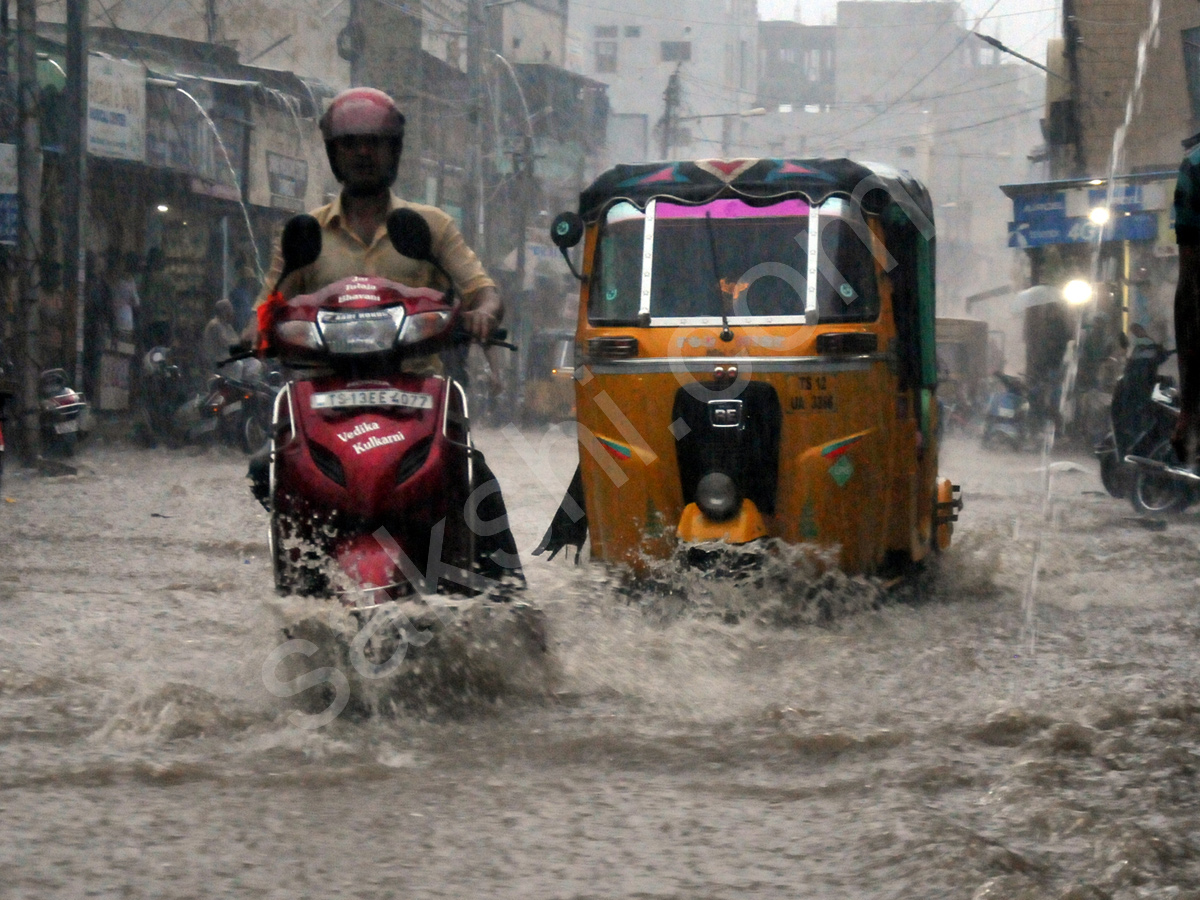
{"x":566,"y":230}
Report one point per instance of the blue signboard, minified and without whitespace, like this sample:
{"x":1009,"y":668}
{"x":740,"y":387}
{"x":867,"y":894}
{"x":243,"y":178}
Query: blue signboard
{"x":1062,"y":230}
{"x":1041,"y":219}
{"x":1029,"y":206}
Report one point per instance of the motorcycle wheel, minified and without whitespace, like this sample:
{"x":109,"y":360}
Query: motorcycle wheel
{"x":254,"y":435}
{"x":59,"y":446}
{"x":1115,"y":475}
{"x":1155,"y":494}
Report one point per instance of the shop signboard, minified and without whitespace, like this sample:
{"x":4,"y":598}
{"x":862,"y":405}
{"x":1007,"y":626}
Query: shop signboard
{"x":116,"y":109}
{"x":287,"y":178}
{"x":8,"y":194}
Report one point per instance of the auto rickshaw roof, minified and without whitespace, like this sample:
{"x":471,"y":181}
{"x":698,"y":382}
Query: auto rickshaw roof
{"x":698,"y":181}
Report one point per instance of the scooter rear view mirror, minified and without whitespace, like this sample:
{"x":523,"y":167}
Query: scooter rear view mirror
{"x":410,"y":234}
{"x":301,"y":244}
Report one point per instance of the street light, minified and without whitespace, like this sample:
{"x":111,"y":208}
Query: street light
{"x":1077,"y":292}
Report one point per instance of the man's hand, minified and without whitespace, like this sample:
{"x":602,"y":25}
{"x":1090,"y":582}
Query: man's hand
{"x":484,"y":313}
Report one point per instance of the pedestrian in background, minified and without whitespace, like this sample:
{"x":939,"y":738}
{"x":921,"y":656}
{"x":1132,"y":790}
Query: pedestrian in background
{"x":219,"y":335}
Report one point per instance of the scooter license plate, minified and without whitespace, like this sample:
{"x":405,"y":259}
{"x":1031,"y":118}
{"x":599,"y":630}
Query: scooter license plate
{"x":232,"y":408}
{"x":1006,"y":412}
{"x":387,"y":397}
{"x":66,"y":427}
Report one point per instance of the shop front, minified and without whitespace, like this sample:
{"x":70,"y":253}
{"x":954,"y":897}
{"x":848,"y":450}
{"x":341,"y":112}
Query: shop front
{"x":1101,"y":258}
{"x":1118,"y":238}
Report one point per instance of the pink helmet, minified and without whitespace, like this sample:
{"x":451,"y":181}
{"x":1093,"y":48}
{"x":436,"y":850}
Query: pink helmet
{"x":362,"y":110}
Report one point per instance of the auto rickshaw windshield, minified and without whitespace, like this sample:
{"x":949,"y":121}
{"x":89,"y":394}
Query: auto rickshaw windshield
{"x":687,"y":263}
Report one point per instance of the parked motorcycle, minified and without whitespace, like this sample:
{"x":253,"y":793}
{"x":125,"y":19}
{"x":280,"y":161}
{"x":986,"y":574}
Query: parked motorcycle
{"x":250,"y":396}
{"x":1136,"y":458}
{"x":1006,"y":421}
{"x":373,"y":474}
{"x":234,"y":406}
{"x":164,"y":393}
{"x":65,"y":415}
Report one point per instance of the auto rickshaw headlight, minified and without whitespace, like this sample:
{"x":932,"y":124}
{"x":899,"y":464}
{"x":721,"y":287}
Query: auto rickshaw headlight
{"x":718,"y":496}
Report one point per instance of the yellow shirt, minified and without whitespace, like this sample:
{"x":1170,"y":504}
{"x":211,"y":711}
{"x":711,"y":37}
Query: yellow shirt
{"x":343,"y":254}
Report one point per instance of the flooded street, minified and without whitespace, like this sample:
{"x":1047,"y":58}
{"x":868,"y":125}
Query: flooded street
{"x":976,"y":741}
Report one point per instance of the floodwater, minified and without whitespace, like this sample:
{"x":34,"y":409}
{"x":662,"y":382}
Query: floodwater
{"x":958,"y":742}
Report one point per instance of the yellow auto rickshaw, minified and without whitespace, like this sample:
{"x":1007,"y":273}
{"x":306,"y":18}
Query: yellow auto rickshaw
{"x":755,"y":358}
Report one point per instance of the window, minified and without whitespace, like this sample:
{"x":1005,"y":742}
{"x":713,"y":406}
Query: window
{"x":606,"y":31}
{"x":617,"y":271}
{"x":676,"y":51}
{"x":750,"y":262}
{"x":633,"y":31}
{"x":606,"y":56}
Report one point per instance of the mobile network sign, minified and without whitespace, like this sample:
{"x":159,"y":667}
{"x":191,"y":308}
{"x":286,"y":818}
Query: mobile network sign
{"x":1061,"y":217}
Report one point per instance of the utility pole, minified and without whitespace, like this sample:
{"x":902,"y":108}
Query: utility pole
{"x":671,"y":113}
{"x":473,"y":211}
{"x":29,"y":199}
{"x":523,"y":163}
{"x":75,"y":181}
{"x":210,"y":20}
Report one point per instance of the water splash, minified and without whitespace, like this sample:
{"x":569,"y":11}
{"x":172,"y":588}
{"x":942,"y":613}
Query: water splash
{"x":233,"y":174}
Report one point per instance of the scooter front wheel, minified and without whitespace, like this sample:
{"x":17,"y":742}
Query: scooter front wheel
{"x":1157,"y":494}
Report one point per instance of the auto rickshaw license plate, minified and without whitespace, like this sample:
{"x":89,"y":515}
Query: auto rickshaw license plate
{"x":342,"y":399}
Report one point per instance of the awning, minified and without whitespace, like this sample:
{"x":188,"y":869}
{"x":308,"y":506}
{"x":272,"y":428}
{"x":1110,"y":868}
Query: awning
{"x":1038,"y":295}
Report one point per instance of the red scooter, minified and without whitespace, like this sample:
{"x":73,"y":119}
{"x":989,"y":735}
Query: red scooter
{"x":376,"y":492}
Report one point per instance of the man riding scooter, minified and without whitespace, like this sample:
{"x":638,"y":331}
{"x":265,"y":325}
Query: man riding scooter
{"x":363,"y":132}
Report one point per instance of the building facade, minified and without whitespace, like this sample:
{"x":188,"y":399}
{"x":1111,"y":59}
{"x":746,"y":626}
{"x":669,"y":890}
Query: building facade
{"x":1125,"y":94}
{"x":679,"y":72}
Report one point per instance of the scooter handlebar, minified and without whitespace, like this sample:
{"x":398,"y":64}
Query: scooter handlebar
{"x":495,"y":339}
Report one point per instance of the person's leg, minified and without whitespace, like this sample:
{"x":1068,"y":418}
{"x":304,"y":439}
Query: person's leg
{"x":496,"y":549}
{"x":259,"y":473}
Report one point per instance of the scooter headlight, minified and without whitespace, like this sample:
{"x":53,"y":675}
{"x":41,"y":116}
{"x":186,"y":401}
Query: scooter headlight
{"x":718,"y":496}
{"x":360,"y":331}
{"x":299,"y":334}
{"x":422,"y":326}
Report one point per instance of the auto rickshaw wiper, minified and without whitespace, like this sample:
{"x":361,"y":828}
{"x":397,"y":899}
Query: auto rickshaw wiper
{"x":726,"y":333}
